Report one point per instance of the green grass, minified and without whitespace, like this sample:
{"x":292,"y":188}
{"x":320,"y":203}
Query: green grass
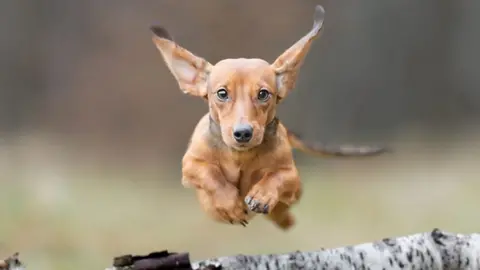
{"x":58,"y":219}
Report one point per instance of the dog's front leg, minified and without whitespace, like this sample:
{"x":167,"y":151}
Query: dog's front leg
{"x":281,"y":186}
{"x":219,"y":198}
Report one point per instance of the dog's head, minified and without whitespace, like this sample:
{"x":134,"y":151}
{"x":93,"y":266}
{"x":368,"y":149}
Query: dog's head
{"x":242,"y":93}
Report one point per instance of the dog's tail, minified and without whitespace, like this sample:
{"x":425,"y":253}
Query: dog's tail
{"x":320,"y":149}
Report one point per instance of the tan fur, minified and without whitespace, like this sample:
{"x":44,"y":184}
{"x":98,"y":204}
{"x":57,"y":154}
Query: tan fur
{"x":233,"y":180}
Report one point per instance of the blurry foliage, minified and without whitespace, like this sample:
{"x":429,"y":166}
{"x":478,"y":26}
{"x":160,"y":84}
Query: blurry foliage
{"x":87,"y":70}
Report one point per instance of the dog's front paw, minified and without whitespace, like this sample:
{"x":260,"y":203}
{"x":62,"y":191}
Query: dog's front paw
{"x":261,"y":200}
{"x":231,"y":208}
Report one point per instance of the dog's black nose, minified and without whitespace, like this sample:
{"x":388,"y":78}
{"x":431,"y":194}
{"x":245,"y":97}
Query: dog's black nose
{"x":242,"y":133}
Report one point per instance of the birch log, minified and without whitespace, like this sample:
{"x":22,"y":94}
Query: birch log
{"x":436,"y":250}
{"x":12,"y":263}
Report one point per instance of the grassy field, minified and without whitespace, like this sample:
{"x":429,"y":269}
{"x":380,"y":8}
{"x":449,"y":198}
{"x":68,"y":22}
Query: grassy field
{"x":59,"y":218}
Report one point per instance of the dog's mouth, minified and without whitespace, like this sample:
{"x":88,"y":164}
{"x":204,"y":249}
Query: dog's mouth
{"x":241,"y":147}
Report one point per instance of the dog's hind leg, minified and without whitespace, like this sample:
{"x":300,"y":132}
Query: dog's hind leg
{"x":281,"y":216}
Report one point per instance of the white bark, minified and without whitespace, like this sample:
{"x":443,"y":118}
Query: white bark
{"x":426,"y":251}
{"x":433,"y":250}
{"x":12,"y":263}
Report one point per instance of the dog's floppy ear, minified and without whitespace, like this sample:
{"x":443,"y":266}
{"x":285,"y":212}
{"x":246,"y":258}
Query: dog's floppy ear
{"x":190,"y":71}
{"x":287,"y":65}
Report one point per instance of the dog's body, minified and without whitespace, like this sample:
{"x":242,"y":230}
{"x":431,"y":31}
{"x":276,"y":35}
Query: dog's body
{"x":235,"y":176}
{"x":239,"y":158}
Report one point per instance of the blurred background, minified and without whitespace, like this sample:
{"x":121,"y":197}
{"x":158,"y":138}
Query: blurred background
{"x":93,"y":125}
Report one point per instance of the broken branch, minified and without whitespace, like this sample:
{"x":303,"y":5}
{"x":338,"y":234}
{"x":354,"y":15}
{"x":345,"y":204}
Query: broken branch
{"x":431,"y":250}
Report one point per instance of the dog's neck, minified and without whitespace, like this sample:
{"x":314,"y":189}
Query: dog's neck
{"x":216,"y":135}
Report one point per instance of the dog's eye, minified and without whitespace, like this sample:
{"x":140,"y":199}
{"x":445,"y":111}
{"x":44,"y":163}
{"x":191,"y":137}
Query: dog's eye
{"x":222,"y":94}
{"x":263,"y":95}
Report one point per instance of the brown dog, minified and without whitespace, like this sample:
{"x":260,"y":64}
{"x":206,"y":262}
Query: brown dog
{"x":239,"y":158}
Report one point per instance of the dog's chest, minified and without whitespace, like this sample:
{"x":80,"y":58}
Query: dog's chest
{"x":242,"y":175}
